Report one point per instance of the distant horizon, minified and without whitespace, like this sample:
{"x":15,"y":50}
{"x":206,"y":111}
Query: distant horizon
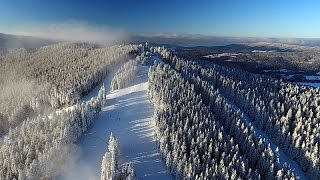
{"x":261,"y":19}
{"x":186,"y":35}
{"x":171,"y":35}
{"x":179,"y":40}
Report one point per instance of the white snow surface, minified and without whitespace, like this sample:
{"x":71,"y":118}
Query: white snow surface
{"x":153,"y":58}
{"x":258,"y":51}
{"x":316,"y":85}
{"x":312,"y":78}
{"x":262,"y":51}
{"x":284,"y":70}
{"x":129,"y":116}
{"x":221,"y":55}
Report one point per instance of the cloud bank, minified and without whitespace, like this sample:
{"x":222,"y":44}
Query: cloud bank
{"x":70,"y":31}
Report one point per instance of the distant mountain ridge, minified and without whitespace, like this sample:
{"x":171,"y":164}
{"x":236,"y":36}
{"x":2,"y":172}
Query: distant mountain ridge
{"x":188,"y":40}
{"x":8,"y":41}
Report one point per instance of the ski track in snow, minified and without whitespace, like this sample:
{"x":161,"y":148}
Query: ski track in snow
{"x":128,"y":115}
{"x":283,"y":156}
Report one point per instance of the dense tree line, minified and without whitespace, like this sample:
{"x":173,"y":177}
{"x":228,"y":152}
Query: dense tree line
{"x":37,"y":148}
{"x":198,"y":144}
{"x":287,"y":113}
{"x":110,"y":168}
{"x":125,"y":75}
{"x":37,"y":80}
{"x":277,"y":109}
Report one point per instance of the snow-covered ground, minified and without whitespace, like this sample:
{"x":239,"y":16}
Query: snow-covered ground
{"x":312,"y":78}
{"x":283,"y":156}
{"x":317,"y":85}
{"x":128,"y":115}
{"x":153,"y":58}
{"x":284,"y":71}
{"x":221,"y":55}
{"x":262,"y":51}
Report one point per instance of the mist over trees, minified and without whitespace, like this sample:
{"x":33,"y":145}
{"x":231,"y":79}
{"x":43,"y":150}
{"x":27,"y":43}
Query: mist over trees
{"x":202,"y":135}
{"x":38,"y":80}
{"x":37,"y":148}
{"x":41,"y":116}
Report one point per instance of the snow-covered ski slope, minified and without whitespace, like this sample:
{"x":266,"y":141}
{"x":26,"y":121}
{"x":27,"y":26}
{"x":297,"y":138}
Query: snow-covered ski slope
{"x":128,"y":115}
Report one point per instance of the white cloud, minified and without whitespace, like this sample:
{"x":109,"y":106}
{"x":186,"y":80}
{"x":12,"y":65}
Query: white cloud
{"x":70,"y":31}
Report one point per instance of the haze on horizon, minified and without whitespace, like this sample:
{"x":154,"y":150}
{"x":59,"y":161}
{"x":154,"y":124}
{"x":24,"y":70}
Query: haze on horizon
{"x":279,"y":19}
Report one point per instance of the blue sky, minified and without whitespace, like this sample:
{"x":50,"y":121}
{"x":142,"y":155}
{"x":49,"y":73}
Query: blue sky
{"x":253,"y":18}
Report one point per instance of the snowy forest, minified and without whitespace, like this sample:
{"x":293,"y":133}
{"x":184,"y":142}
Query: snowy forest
{"x":58,"y":75}
{"x":225,"y":123}
{"x":41,"y":114}
{"x":159,"y":90}
{"x":209,"y":122}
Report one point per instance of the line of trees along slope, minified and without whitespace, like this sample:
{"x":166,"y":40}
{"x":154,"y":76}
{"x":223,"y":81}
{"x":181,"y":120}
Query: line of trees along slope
{"x":196,"y":144}
{"x":37,"y":80}
{"x":287,"y":113}
{"x":39,"y":147}
{"x":124,"y":75}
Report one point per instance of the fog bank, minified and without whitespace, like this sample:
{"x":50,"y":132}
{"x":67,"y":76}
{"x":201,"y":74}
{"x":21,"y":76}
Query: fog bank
{"x":70,"y":31}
